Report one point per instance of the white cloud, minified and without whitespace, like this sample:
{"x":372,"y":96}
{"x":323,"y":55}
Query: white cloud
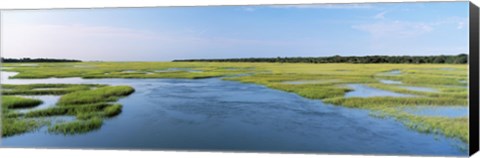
{"x":382,"y":27}
{"x":116,"y":43}
{"x":395,"y":29}
{"x":380,"y":15}
{"x":456,"y":22}
{"x":461,"y":25}
{"x":71,"y":41}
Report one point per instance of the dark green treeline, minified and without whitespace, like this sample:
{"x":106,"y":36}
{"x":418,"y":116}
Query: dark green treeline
{"x":439,"y":59}
{"x":37,"y":60}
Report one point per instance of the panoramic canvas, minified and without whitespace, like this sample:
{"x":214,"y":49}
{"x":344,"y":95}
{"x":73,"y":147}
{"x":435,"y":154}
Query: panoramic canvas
{"x":373,"y":78}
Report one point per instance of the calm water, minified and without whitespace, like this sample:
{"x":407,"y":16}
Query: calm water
{"x":393,"y":72}
{"x":440,"y":111}
{"x":211,"y":114}
{"x":47,"y":101}
{"x":363,"y":91}
{"x":390,"y":82}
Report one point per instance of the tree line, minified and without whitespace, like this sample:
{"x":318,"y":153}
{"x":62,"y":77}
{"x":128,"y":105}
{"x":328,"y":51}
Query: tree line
{"x":438,"y":59}
{"x":36,"y":60}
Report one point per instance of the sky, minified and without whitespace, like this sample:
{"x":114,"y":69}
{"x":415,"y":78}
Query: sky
{"x":168,"y":33}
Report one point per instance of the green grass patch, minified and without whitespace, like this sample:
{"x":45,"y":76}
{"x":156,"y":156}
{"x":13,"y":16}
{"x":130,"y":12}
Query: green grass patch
{"x":14,"y":126}
{"x":68,"y":110}
{"x":313,"y":91}
{"x":113,"y":110}
{"x":13,"y":102}
{"x":89,"y":103}
{"x":104,"y":94}
{"x":77,"y":127}
{"x":450,"y":127}
{"x":106,"y":112}
{"x":392,"y":102}
{"x":45,"y":89}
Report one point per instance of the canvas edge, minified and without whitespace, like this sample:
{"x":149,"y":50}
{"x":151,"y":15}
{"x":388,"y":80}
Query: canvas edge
{"x":474,"y":79}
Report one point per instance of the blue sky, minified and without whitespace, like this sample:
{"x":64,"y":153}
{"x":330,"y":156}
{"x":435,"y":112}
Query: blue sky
{"x":167,"y":33}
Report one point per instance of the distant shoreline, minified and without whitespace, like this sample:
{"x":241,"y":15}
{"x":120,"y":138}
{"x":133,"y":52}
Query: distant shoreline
{"x":438,"y":59}
{"x":36,"y":60}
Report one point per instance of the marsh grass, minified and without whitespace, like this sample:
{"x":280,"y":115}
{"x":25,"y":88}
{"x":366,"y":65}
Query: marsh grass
{"x":450,"y":127}
{"x":103,"y":94}
{"x":14,"y":126}
{"x":89,"y":105}
{"x":90,"y":108}
{"x":447,"y":78}
{"x":387,"y":102}
{"x":313,"y":91}
{"x":13,"y":102}
{"x":461,"y":94}
{"x":112,"y":111}
{"x":67,"y":110}
{"x":106,"y":112}
{"x":45,"y":89}
{"x":11,"y":114}
{"x":77,"y":127}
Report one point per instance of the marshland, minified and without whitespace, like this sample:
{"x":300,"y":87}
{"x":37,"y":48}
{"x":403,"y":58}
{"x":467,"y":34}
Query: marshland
{"x":250,"y":106}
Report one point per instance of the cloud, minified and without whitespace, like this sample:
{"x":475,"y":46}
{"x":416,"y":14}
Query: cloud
{"x":116,"y":43}
{"x":461,"y":25}
{"x":380,"y":15}
{"x":325,"y":6}
{"x":74,"y":31}
{"x":456,"y":22}
{"x":71,"y":41}
{"x":387,"y":28}
{"x":249,"y":9}
{"x":395,"y":29}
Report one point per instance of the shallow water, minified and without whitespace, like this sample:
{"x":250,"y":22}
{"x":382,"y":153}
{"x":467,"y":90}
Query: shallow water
{"x":393,"y":72}
{"x":132,"y":71}
{"x":448,"y":69}
{"x":212,"y":114}
{"x":390,"y":82}
{"x":363,"y":91}
{"x":440,"y":111}
{"x":48,"y":101}
{"x":5,"y":79}
{"x":421,"y":89}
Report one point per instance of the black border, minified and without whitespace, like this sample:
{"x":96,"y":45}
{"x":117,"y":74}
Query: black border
{"x":474,"y":75}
